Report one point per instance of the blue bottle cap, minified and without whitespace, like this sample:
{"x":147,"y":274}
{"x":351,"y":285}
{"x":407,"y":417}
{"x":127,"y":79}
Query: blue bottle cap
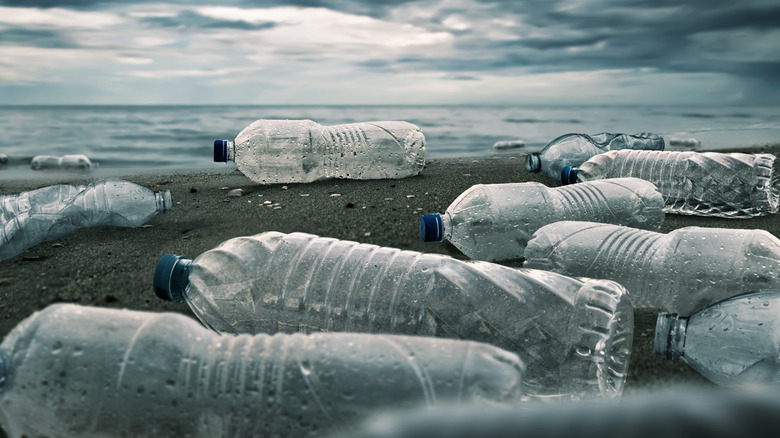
{"x":171,"y":277}
{"x":220,"y":151}
{"x":431,"y":227}
{"x":533,"y":162}
{"x":569,"y":175}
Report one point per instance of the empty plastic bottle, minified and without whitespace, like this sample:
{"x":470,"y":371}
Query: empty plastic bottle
{"x":29,"y":218}
{"x":732,"y":343}
{"x":682,"y":271}
{"x":574,"y":149}
{"x":77,"y":163}
{"x":286,"y":151}
{"x":85,"y":371}
{"x":495,"y":221}
{"x":733,"y":185}
{"x":574,"y":337}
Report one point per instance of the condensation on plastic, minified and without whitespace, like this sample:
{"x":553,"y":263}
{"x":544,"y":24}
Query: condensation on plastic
{"x":735,"y":185}
{"x":282,"y":151}
{"x":494,"y":222}
{"x":574,"y":336}
{"x":88,"y":371}
{"x":733,"y":342}
{"x":682,"y":271}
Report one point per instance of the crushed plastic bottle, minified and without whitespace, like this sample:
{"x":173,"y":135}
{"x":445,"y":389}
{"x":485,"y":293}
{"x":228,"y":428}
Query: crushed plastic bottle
{"x":508,"y":144}
{"x":574,"y":149}
{"x":29,"y":218}
{"x":72,"y":370}
{"x":732,"y":343}
{"x":76,"y":163}
{"x":287,"y":151}
{"x":494,"y":222}
{"x":682,"y":271}
{"x":734,"y":185}
{"x":574,"y":336}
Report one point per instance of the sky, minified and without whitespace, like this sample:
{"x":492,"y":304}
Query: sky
{"x":437,"y":52}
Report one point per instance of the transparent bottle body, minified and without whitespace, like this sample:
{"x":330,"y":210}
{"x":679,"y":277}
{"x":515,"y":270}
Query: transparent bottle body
{"x":574,"y":149}
{"x":734,"y":185}
{"x":277,"y":151}
{"x":495,"y":222}
{"x":574,"y":337}
{"x":129,"y":373}
{"x":682,"y":271}
{"x":29,"y":218}
{"x":736,"y":342}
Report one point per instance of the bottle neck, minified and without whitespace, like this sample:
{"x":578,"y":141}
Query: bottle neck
{"x":163,"y":201}
{"x":670,"y":330}
{"x":231,"y":151}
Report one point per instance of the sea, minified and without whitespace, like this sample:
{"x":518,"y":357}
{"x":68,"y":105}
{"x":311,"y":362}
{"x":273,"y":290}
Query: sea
{"x":182,"y":137}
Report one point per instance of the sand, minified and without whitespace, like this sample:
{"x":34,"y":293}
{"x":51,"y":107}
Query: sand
{"x":113,"y":267}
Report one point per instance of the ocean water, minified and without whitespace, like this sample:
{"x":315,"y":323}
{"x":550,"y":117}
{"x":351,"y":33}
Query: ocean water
{"x":178,"y":137}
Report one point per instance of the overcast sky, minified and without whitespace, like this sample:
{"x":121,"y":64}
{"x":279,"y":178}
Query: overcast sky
{"x":714,"y":52}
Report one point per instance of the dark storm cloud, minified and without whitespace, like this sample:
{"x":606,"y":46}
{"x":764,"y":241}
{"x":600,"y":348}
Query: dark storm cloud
{"x":48,"y":39}
{"x":189,"y":19}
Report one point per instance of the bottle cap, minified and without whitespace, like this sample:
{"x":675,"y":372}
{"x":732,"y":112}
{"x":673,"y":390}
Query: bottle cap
{"x":569,"y":175}
{"x":668,"y":330}
{"x":533,"y":162}
{"x":220,"y":151}
{"x":431,"y":228}
{"x":171,"y":277}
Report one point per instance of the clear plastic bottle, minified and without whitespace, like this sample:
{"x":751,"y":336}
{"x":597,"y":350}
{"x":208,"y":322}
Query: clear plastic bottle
{"x":574,"y":336}
{"x":494,"y":222}
{"x":286,"y":151}
{"x":682,"y":271}
{"x":71,"y":370}
{"x":29,"y":218}
{"x":732,"y":343}
{"x":574,"y":149}
{"x":735,"y":185}
{"x":76,"y":163}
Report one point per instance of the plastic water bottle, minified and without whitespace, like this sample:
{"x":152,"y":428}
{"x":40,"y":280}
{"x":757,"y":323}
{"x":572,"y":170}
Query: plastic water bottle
{"x":574,"y":337}
{"x":495,"y":221}
{"x":682,"y":271}
{"x":286,"y":151}
{"x":732,"y":343}
{"x":76,"y":163}
{"x":85,"y":371}
{"x":574,"y":149}
{"x":29,"y":218}
{"x":732,"y":185}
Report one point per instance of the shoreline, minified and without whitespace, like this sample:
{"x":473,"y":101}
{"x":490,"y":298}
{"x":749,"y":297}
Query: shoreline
{"x":113,"y":267}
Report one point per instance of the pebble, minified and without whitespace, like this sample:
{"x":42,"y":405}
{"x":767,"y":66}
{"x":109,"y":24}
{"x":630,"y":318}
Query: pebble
{"x":303,"y":194}
{"x":333,"y":195}
{"x":409,"y":196}
{"x":284,"y":187}
{"x":57,"y":245}
{"x":236,"y":192}
{"x":267,"y":203}
{"x":224,"y":188}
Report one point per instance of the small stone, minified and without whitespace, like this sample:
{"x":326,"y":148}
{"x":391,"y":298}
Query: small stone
{"x":349,"y":205}
{"x":57,"y":245}
{"x":388,"y":199}
{"x":224,"y":188}
{"x":146,"y":226}
{"x":409,"y":196}
{"x":193,"y":190}
{"x":303,"y":194}
{"x":267,"y":203}
{"x":278,"y":207}
{"x":334,"y":195}
{"x":466,"y":174}
{"x":4,"y":281}
{"x":284,"y":187}
{"x":367,"y":234}
{"x":236,"y":193}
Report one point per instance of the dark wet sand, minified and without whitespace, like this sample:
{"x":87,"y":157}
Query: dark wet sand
{"x":113,"y":267}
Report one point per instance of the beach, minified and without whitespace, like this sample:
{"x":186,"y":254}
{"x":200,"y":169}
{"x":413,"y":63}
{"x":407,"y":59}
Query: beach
{"x":113,"y":267}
